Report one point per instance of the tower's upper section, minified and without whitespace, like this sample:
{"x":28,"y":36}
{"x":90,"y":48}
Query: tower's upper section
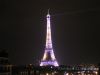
{"x":48,"y":15}
{"x":48,"y":35}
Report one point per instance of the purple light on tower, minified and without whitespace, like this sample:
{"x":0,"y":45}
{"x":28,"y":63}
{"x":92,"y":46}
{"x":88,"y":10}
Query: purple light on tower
{"x":48,"y":57}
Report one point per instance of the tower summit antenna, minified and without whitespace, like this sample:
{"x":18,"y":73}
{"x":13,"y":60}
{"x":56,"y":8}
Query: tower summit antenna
{"x":48,"y":11}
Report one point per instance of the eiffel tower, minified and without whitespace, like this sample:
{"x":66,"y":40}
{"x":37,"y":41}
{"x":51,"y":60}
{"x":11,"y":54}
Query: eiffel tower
{"x":48,"y":57}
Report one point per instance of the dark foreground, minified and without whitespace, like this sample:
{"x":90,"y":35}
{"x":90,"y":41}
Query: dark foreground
{"x":49,"y":70}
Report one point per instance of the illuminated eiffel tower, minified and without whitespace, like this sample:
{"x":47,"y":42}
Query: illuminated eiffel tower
{"x":48,"y":57}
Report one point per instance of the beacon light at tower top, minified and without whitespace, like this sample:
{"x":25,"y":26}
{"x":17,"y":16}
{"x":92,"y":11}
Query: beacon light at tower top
{"x":48,"y":57}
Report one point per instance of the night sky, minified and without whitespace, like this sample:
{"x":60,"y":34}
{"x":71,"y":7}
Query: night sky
{"x":74,"y":23}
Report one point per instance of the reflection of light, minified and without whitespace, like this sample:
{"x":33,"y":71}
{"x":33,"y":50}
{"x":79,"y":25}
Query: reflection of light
{"x":30,"y":64}
{"x":51,"y":66}
{"x":66,"y":73}
{"x":96,"y":72}
{"x":47,"y":74}
{"x":52,"y":55}
{"x":44,"y":57}
{"x":55,"y":72}
{"x":78,"y":72}
{"x":49,"y":63}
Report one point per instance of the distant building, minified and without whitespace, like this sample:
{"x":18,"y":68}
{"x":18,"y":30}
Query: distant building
{"x":59,"y":70}
{"x":3,"y":57}
{"x":99,"y":68}
{"x":49,"y":70}
{"x":5,"y":67}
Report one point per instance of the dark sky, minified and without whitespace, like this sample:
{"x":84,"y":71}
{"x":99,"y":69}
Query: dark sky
{"x":75,"y":30}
